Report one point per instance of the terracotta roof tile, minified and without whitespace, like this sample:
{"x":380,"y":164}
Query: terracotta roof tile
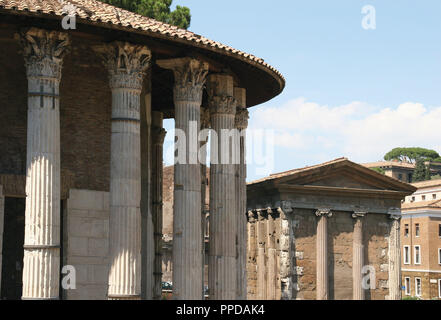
{"x":97,"y":11}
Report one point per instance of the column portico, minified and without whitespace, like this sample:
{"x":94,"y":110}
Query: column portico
{"x":43,"y":52}
{"x":322,"y":283}
{"x":190,"y":76}
{"x":358,"y":256}
{"x":223,"y":218}
{"x":127,"y":64}
{"x":241,"y":123}
{"x":395,"y":256}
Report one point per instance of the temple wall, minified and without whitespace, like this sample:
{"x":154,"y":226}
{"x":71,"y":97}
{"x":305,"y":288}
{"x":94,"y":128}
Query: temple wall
{"x":2,"y":212}
{"x":86,"y":243}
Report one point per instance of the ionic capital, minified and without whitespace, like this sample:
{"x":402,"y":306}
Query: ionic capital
{"x":324,"y":212}
{"x":241,"y":120}
{"x":190,"y":76}
{"x":126,"y":63}
{"x":359,"y":214}
{"x":43,"y":52}
{"x":394,"y":213}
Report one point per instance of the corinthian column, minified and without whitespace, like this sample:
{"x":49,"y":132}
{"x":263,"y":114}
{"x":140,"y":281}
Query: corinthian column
{"x":43,"y":53}
{"x":223,"y":212}
{"x":127,"y":65}
{"x":395,"y":257}
{"x":322,"y":253}
{"x":241,"y":123}
{"x":158,"y":143}
{"x":358,"y":256}
{"x":190,"y":75}
{"x":2,"y":213}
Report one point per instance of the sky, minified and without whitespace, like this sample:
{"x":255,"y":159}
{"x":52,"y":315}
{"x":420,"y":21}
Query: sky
{"x":350,"y":92}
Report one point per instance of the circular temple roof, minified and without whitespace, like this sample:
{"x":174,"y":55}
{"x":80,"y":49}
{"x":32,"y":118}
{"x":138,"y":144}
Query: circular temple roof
{"x":262,"y":81}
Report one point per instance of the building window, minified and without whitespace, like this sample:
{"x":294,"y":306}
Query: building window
{"x":413,"y":199}
{"x":439,"y":256}
{"x":418,"y":287}
{"x":400,"y":176}
{"x":407,"y":286}
{"x":409,"y":177}
{"x":417,"y":229}
{"x":417,"y":254}
{"x":434,"y":196}
{"x":406,"y":255}
{"x":406,"y":230}
{"x":423,"y":198}
{"x":439,"y":230}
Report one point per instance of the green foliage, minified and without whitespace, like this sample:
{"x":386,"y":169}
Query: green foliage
{"x":379,"y":170}
{"x":411,"y":298}
{"x":421,"y":173}
{"x":435,"y":177}
{"x":411,"y":154}
{"x":156,"y":9}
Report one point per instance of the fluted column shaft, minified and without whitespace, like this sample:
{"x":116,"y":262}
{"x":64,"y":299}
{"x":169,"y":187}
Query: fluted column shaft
{"x":190,"y":76}
{"x":223,"y":218}
{"x":241,"y":123}
{"x":157,"y":205}
{"x":126,"y":64}
{"x":395,"y":258}
{"x":205,"y":124}
{"x":272,"y":258}
{"x":43,"y":52}
{"x":322,"y":254}
{"x":358,"y":256}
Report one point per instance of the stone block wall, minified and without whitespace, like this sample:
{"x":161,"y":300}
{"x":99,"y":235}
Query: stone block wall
{"x":86,"y":243}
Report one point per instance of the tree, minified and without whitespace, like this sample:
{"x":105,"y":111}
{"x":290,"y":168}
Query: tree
{"x":411,"y":155}
{"x":379,"y":170}
{"x":156,"y":9}
{"x":421,"y":172}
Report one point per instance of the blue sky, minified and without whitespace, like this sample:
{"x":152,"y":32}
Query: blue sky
{"x":350,"y":92}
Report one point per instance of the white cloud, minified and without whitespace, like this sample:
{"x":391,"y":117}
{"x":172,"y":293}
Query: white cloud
{"x":358,"y":130}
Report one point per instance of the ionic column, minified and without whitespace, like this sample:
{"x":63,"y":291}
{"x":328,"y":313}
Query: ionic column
{"x":252,"y":256}
{"x":223,"y":218}
{"x":43,"y":53}
{"x":261,"y":266}
{"x":205,"y":125}
{"x":358,"y":256}
{"x":241,"y":123}
{"x":322,"y":253}
{"x":158,"y":135}
{"x":2,"y":211}
{"x":395,"y":256}
{"x":272,"y":257}
{"x":127,"y":64}
{"x":190,"y":76}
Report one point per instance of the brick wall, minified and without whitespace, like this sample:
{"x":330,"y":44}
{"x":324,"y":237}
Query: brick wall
{"x":86,"y":242}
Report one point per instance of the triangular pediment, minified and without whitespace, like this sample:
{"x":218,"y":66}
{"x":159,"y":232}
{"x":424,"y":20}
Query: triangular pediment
{"x":340,"y":174}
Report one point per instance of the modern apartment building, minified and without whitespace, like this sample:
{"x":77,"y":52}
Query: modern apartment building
{"x":421,"y":241}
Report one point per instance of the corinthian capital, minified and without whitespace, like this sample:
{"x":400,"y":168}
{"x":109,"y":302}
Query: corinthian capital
{"x":222,"y":105}
{"x":190,"y":76}
{"x":43,"y":52}
{"x":158,"y":135}
{"x":126,"y":62}
{"x":241,"y":120}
